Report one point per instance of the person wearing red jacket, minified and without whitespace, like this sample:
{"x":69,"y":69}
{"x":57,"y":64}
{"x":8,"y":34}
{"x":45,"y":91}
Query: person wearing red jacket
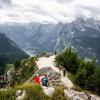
{"x":36,"y":79}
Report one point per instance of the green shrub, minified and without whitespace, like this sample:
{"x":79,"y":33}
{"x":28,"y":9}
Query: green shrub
{"x":43,"y":54}
{"x":69,"y":60}
{"x":17,"y":64}
{"x":86,"y":73}
{"x":59,"y":94}
{"x":25,"y":71}
{"x":77,"y":88}
{"x":33,"y":92}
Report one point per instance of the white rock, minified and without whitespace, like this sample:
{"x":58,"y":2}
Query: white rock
{"x":49,"y":91}
{"x":21,"y":97}
{"x":18,"y":92}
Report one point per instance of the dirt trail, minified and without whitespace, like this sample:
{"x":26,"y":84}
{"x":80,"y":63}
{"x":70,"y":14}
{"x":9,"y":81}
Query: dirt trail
{"x":49,"y":61}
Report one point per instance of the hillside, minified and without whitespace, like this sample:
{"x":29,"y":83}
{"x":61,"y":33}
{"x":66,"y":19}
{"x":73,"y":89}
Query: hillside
{"x":60,"y":87}
{"x":9,"y":52}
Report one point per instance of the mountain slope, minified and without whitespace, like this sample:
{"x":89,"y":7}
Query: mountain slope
{"x":82,"y":34}
{"x":9,"y":51}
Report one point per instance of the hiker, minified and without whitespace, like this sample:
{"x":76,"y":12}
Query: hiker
{"x":44,"y":81}
{"x":64,"y":72}
{"x":36,"y":79}
{"x":60,"y":67}
{"x":37,"y":57}
{"x":48,"y":67}
{"x":89,"y":97}
{"x":55,"y":53}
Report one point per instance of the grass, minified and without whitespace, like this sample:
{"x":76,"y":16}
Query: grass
{"x":8,"y":67}
{"x":27,"y":73}
{"x":72,"y":78}
{"x":26,"y":70}
{"x":59,"y":94}
{"x":33,"y":92}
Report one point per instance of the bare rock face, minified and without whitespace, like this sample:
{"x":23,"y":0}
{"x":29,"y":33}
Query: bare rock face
{"x":49,"y":91}
{"x":20,"y":94}
{"x":83,"y":35}
{"x":51,"y":74}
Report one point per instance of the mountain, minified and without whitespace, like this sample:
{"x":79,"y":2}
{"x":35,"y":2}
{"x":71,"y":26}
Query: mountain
{"x":82,"y":34}
{"x":9,"y":52}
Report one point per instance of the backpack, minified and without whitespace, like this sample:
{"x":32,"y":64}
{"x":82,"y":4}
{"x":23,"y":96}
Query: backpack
{"x":44,"y":81}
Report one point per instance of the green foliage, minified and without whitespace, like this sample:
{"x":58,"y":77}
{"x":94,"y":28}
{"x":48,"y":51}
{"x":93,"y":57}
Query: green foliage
{"x":43,"y":54}
{"x":8,"y":67}
{"x":32,"y":60}
{"x":24,"y":72}
{"x":2,"y":67}
{"x":86,"y":73}
{"x":80,"y":77}
{"x":33,"y":92}
{"x":77,"y":88}
{"x":86,"y":76}
{"x":59,"y":94}
{"x":68,"y":60}
{"x":28,"y":68}
{"x":17,"y":64}
{"x":97,"y":80}
{"x":9,"y":53}
{"x":8,"y":94}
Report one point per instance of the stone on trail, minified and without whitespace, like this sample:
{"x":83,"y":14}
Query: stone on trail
{"x":51,"y":74}
{"x":20,"y":94}
{"x":49,"y":91}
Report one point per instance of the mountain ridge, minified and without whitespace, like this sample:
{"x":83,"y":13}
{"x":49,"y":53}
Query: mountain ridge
{"x":36,"y":36}
{"x":9,"y":52}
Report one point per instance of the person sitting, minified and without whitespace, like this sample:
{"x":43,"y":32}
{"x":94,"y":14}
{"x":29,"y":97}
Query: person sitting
{"x":36,"y":79}
{"x":44,"y":81}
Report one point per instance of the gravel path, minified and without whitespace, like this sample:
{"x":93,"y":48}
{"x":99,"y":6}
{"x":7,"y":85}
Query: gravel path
{"x":49,"y":61}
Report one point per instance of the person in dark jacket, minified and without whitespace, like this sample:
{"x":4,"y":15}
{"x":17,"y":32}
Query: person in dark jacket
{"x":44,"y":81}
{"x":64,"y":72}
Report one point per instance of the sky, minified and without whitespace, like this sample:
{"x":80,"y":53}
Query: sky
{"x":47,"y":11}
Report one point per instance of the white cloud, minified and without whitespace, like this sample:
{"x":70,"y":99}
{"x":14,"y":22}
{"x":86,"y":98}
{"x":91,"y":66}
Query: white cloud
{"x":5,"y":3}
{"x":47,"y":10}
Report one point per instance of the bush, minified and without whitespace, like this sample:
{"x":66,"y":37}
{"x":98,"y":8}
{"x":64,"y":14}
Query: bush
{"x":68,"y":60}
{"x":59,"y":94}
{"x":97,"y":80}
{"x":26,"y":70}
{"x":86,"y":73}
{"x":17,"y":64}
{"x":43,"y":54}
{"x":33,"y":92}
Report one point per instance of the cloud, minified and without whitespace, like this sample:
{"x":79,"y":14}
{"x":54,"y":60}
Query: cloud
{"x":63,"y":1}
{"x":47,"y":10}
{"x":5,"y":3}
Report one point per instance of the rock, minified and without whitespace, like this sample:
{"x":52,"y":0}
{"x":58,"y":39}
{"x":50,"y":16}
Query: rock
{"x":20,"y":94}
{"x":51,"y":74}
{"x":73,"y":95}
{"x":49,"y":91}
{"x":3,"y":89}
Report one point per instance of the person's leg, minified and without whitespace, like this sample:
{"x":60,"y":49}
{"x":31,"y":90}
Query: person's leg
{"x":64,"y":73}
